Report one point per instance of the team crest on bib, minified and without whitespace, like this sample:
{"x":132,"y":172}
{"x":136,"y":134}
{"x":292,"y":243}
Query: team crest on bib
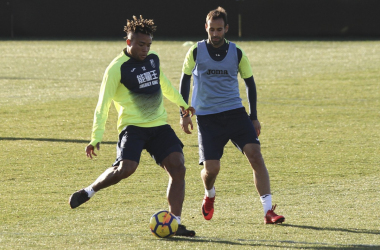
{"x":152,"y":63}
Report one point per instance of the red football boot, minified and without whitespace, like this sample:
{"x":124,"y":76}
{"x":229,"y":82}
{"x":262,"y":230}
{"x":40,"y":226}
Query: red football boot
{"x":272,"y":218}
{"x":208,"y":207}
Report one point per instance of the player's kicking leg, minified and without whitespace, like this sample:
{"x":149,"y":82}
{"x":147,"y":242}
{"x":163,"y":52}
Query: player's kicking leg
{"x":110,"y":177}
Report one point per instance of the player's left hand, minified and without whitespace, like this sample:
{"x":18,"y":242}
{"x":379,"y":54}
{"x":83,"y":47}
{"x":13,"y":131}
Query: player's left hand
{"x":257,"y":126}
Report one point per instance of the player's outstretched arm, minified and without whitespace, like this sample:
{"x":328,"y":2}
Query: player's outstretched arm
{"x":90,"y":150}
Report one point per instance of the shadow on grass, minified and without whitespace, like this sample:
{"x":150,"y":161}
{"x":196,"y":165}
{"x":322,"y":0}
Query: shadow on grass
{"x":43,"y":78}
{"x":61,"y":140}
{"x":290,"y":243}
{"x":51,"y":140}
{"x":273,"y":243}
{"x":348,"y":230}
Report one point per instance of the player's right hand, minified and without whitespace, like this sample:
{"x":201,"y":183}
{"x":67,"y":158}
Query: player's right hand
{"x":185,"y":122}
{"x":90,"y":150}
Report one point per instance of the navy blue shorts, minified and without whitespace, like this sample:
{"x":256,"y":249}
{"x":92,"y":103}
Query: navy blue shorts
{"x":158,"y":141}
{"x":215,"y":130}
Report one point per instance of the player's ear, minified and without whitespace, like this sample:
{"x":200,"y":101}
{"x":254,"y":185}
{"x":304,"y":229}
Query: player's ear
{"x":226,"y":28}
{"x":206,"y":27}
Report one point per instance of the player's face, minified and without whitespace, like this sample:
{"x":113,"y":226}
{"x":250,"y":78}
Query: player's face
{"x":216,"y":31}
{"x":138,"y":45}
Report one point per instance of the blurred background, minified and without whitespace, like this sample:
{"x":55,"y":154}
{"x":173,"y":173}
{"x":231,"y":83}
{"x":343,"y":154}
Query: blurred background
{"x":248,"y":19}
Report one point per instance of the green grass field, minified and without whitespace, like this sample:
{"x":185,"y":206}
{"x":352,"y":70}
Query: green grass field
{"x":319,"y":105}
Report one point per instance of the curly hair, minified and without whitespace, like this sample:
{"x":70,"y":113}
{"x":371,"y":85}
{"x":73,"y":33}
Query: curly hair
{"x":217,"y":13}
{"x":145,"y":26}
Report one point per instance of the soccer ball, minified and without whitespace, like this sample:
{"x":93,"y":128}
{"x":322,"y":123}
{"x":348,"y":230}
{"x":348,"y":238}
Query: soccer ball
{"x":163,"y":224}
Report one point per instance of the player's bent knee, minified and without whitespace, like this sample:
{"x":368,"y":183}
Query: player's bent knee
{"x":253,"y":153}
{"x":126,"y":169}
{"x":211,"y":168}
{"x":177,"y":171}
{"x":210,"y":172}
{"x":255,"y":156}
{"x":174,"y":164}
{"x":175,"y":167}
{"x":256,"y":160}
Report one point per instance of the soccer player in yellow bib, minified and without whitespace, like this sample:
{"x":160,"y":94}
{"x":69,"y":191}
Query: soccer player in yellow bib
{"x":136,"y":84}
{"x":221,"y":116}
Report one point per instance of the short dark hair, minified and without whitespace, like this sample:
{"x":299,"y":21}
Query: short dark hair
{"x":145,"y":26}
{"x":217,"y":13}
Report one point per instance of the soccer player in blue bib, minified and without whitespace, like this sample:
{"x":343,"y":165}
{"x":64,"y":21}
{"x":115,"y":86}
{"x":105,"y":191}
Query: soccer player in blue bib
{"x":214,"y":64}
{"x":135,"y":83}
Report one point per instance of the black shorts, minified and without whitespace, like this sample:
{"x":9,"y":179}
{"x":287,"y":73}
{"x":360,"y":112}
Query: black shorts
{"x":158,"y":141}
{"x":215,"y":130}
